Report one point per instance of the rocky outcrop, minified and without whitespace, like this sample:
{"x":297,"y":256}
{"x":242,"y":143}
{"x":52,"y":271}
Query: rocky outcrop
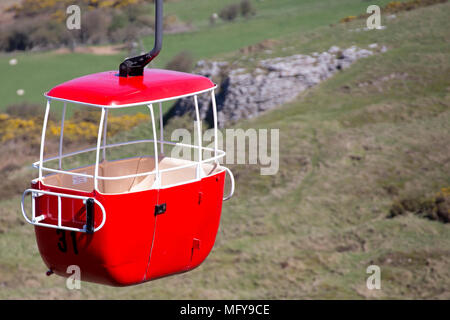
{"x":244,"y":94}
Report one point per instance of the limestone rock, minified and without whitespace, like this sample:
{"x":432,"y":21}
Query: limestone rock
{"x":244,"y":94}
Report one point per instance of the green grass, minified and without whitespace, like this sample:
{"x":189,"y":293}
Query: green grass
{"x":37,"y":73}
{"x":311,"y":231}
{"x":273,"y":19}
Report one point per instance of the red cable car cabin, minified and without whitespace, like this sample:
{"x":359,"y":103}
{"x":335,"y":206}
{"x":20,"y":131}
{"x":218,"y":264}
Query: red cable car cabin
{"x":131,"y":220}
{"x":128,"y":221}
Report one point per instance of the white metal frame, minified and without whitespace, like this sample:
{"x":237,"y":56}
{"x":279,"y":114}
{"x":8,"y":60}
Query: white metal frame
{"x":102,"y":130}
{"x":161,"y":128}
{"x":61,"y":135}
{"x":220,"y":155}
{"x":157,"y":183}
{"x":105,"y":129}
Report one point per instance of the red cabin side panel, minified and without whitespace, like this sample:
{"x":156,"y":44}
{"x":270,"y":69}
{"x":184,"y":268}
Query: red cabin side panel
{"x":186,"y":232}
{"x":134,"y":245}
{"x":172,"y":246}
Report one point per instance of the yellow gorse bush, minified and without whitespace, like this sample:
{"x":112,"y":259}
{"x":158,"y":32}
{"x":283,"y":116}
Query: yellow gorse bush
{"x":10,"y":127}
{"x":393,"y":5}
{"x":74,"y":130}
{"x":445,"y":192}
{"x":348,"y":19}
{"x":125,"y":122}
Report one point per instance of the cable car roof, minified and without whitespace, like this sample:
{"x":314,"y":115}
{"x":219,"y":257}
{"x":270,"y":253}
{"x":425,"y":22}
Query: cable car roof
{"x":107,"y":89}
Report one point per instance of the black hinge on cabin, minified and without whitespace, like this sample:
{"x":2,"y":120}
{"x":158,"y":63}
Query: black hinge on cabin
{"x":90,"y":216}
{"x":160,"y":209}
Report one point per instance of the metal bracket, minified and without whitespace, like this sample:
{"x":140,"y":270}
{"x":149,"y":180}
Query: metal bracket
{"x":36,"y":195}
{"x":160,"y":209}
{"x":39,"y":218}
{"x":135,"y":66}
{"x":90,"y":216}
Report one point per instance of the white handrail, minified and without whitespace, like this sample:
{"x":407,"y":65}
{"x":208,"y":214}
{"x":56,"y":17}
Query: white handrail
{"x":131,"y":175}
{"x":220,"y":155}
{"x":36,"y":220}
{"x":178,"y":144}
{"x":232,"y":185}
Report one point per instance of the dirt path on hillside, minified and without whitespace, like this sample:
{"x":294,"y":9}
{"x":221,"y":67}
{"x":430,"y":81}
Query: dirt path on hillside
{"x":97,"y":50}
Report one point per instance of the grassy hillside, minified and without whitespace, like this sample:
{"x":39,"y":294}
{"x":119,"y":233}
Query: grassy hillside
{"x":38,"y":72}
{"x":370,"y":136}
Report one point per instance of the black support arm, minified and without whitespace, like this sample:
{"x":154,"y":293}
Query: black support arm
{"x":135,"y":66}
